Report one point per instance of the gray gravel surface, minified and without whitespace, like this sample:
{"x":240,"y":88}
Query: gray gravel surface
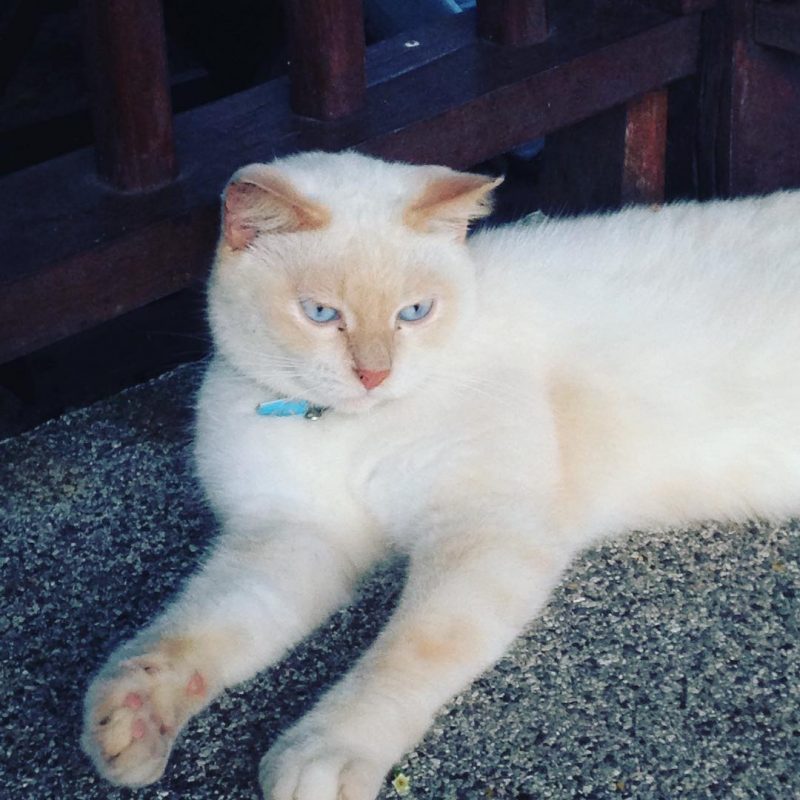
{"x":665,"y":666}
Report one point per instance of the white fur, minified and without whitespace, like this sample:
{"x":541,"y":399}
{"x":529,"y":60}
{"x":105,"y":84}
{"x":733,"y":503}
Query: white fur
{"x":608,"y":372}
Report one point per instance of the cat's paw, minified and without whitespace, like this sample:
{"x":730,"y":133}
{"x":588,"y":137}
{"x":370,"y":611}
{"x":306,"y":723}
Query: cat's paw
{"x":307,"y":765}
{"x":133,"y":713}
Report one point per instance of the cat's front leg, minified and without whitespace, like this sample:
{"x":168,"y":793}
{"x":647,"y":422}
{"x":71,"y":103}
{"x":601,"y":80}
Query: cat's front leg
{"x":467,"y":598}
{"x":255,"y":598}
{"x":137,"y":705}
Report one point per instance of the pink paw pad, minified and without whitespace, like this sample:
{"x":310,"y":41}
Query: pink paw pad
{"x":132,"y":700}
{"x":196,"y":685}
{"x":138,"y":729}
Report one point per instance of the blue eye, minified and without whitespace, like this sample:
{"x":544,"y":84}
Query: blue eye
{"x":319,"y":313}
{"x":416,"y":312}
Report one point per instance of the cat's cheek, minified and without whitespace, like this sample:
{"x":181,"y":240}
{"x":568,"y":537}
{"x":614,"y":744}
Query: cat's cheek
{"x":430,"y":337}
{"x":313,"y":350}
{"x":416,"y":363}
{"x":289,"y":331}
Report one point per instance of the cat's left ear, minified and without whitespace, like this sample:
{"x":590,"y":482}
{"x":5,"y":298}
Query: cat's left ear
{"x":259,"y":199}
{"x":451,"y":200}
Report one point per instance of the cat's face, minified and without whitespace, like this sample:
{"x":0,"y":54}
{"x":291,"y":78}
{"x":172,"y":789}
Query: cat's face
{"x":344,"y":300}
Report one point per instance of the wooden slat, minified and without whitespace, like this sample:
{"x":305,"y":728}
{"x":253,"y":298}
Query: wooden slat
{"x":71,"y":245}
{"x":581,"y":168}
{"x":645,"y":148}
{"x":414,"y":48}
{"x":512,"y":22}
{"x":751,"y":107}
{"x":32,"y":142}
{"x":131,"y":109}
{"x":612,"y":158}
{"x":778,"y":25}
{"x":558,"y":93}
{"x":684,"y":6}
{"x":326,"y":43}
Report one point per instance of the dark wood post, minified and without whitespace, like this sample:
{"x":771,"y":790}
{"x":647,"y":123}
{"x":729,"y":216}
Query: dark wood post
{"x":645,"y":149}
{"x":684,"y":6}
{"x":751,"y":115}
{"x":326,"y":46}
{"x":616,"y":157}
{"x":512,"y":22}
{"x":129,"y":82}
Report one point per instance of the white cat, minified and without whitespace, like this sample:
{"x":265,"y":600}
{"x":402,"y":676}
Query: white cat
{"x":489,"y":405}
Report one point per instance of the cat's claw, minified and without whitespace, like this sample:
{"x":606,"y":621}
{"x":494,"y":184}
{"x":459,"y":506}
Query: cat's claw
{"x":311,"y":767}
{"x":133,"y":713}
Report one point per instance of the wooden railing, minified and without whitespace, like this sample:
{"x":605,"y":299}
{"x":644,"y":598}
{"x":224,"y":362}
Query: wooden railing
{"x":96,"y":233}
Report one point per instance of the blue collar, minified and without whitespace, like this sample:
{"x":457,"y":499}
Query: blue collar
{"x":290,"y":408}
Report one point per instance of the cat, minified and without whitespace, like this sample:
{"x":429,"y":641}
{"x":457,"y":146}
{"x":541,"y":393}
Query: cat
{"x":490,"y":405}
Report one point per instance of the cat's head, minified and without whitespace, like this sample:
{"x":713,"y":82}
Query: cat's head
{"x":341,"y":279}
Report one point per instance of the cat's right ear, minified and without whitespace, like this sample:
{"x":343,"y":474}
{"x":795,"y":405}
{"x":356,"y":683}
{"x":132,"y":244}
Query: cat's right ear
{"x":450,"y":201}
{"x":258,"y":199}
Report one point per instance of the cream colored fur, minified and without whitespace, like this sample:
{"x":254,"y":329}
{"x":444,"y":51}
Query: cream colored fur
{"x":575,"y":379}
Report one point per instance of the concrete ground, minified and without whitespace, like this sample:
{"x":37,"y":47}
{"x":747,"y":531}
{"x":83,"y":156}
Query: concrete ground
{"x":667,"y":665}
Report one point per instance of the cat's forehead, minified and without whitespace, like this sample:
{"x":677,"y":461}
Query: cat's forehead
{"x":353,"y":185}
{"x":361,"y":269}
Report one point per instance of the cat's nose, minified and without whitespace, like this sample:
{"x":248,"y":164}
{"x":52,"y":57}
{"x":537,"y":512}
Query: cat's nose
{"x":372,"y":378}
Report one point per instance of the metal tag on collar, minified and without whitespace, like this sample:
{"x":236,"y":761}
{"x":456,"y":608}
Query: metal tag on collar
{"x":314,"y":412}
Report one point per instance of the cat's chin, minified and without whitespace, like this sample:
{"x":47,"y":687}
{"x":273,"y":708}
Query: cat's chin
{"x":360,"y":404}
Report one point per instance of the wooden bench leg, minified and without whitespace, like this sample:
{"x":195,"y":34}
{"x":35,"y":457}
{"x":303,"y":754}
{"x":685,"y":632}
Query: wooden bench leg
{"x":645,"y":149}
{"x":613,"y":158}
{"x":750,"y":123}
{"x":131,"y":105}
{"x":326,"y":42}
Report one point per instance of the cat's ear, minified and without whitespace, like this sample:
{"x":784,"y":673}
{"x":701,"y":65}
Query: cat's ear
{"x":449,"y":201}
{"x":258,"y":199}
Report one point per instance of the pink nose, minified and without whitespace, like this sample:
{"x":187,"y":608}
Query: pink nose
{"x":372,"y":378}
